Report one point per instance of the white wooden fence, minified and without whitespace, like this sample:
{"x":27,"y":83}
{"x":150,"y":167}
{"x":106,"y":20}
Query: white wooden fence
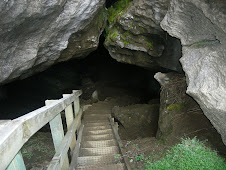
{"x":15,"y":133}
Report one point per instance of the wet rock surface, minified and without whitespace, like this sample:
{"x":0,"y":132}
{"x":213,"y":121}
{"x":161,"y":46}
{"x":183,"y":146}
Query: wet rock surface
{"x":201,"y":27}
{"x":134,"y":36}
{"x":180,"y":116}
{"x":33,"y":34}
{"x":139,"y":120}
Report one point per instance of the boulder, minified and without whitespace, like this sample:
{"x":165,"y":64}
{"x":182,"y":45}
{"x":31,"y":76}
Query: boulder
{"x":37,"y":34}
{"x":201,"y":27}
{"x":134,"y":35}
{"x":180,"y":116}
{"x":139,"y":120}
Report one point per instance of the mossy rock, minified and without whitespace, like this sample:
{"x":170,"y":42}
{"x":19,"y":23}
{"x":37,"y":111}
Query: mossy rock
{"x":117,"y":9}
{"x":175,"y":107}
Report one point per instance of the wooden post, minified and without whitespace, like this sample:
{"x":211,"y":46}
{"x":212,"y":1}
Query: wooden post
{"x":17,"y":163}
{"x":69,"y":120}
{"x":57,"y":132}
{"x":76,"y":105}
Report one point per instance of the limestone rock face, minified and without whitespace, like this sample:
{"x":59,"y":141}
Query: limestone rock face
{"x":37,"y":34}
{"x":134,"y":36}
{"x":180,"y":116}
{"x":201,"y":27}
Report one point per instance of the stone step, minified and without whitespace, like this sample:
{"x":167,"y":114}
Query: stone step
{"x":98,"y":137}
{"x":99,"y":151}
{"x":97,"y":132}
{"x":97,"y":144}
{"x":93,"y":124}
{"x":103,"y":127}
{"x":119,"y":166}
{"x":99,"y":160}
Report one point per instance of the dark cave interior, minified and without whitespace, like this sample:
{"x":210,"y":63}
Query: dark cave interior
{"x":22,"y":96}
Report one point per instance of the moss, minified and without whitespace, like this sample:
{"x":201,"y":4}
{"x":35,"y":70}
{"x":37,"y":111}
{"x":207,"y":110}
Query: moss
{"x":125,"y":37}
{"x":126,"y":33}
{"x":131,"y":26}
{"x":205,"y":42}
{"x":101,"y":18}
{"x":142,"y":29}
{"x":117,"y":9}
{"x":149,"y":44}
{"x":112,"y":34}
{"x":126,"y":42}
{"x":116,"y":31}
{"x":175,"y":107}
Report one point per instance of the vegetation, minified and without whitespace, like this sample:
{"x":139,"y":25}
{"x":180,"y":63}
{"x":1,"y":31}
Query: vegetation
{"x":149,"y":44}
{"x":38,"y":147}
{"x":175,"y":107}
{"x":205,"y":42}
{"x":112,"y":30}
{"x":189,"y":154}
{"x":112,"y":33}
{"x":101,"y":18}
{"x":117,"y":9}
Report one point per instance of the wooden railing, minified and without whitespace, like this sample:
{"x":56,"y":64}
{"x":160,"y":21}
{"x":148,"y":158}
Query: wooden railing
{"x":15,"y":133}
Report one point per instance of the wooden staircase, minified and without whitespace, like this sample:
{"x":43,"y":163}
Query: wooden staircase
{"x":99,"y":143}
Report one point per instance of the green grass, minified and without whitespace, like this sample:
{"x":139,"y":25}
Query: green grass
{"x":191,"y":154}
{"x":117,"y":10}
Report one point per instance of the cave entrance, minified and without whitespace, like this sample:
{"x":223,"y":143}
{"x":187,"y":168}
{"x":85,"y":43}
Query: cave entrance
{"x":98,"y":71}
{"x":111,"y":78}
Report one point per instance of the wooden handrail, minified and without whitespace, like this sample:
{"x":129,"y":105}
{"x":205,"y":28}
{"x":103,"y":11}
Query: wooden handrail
{"x":121,"y":147}
{"x":17,"y":132}
{"x":58,"y":159}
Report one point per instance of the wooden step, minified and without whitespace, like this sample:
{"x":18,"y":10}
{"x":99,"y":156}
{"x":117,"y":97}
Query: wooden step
{"x":98,"y":137}
{"x":99,"y":160}
{"x":90,"y":128}
{"x":99,"y":108}
{"x":97,"y":132}
{"x":96,"y":115}
{"x":97,"y":144}
{"x":119,"y":166}
{"x":99,"y":151}
{"x":93,"y":124}
{"x":95,"y":120}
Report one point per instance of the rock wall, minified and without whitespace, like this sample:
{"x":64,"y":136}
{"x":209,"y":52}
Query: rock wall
{"x":134,"y":35}
{"x":139,"y":120}
{"x":180,"y":116}
{"x":34,"y":34}
{"x":201,"y":27}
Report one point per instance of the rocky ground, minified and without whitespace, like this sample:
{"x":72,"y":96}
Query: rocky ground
{"x":145,"y":134}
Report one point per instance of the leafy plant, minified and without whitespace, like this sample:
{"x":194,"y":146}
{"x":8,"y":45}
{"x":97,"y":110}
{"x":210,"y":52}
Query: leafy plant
{"x":139,"y":157}
{"x":117,"y":156}
{"x":189,"y":154}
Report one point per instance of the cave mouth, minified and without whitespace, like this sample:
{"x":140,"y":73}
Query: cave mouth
{"x":98,"y":71}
